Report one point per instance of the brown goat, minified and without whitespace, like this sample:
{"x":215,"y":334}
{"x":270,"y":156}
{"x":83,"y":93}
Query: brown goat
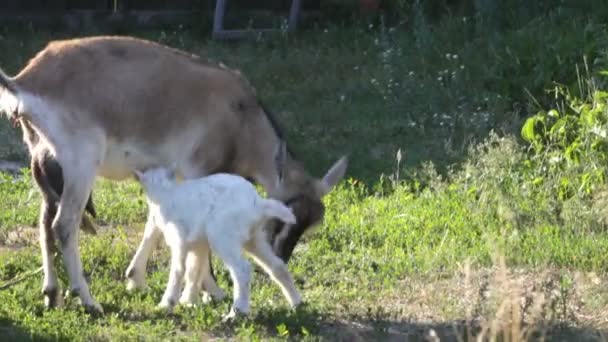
{"x":108,"y":105}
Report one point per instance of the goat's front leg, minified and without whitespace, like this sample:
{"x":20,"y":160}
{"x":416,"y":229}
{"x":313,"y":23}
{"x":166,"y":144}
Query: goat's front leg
{"x":176,"y":275}
{"x":78,"y":182}
{"x":136,"y":272}
{"x":50,"y":286}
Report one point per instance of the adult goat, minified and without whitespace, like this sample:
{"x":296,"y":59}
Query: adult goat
{"x":109,"y":105}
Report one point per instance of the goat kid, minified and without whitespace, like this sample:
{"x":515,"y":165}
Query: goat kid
{"x":222,"y":212}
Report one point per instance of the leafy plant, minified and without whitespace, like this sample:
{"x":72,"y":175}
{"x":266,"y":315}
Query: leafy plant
{"x":570,"y":142}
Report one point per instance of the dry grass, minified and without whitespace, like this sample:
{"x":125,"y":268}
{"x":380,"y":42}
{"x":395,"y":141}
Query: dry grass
{"x":496,"y":304}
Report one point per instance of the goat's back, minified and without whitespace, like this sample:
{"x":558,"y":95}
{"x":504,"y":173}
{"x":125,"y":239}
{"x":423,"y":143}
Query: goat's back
{"x":131,"y":86}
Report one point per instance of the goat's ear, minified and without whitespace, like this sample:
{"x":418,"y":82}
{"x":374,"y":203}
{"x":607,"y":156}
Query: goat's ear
{"x":137,"y":175}
{"x":280,"y":159}
{"x":333,"y":176}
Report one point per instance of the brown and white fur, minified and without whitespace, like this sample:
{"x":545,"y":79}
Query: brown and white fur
{"x":48,"y":175}
{"x":107,"y":105}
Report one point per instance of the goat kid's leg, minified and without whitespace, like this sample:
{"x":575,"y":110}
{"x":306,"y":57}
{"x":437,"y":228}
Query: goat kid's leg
{"x":193,"y":274}
{"x":208,"y":282}
{"x":176,"y":275}
{"x":240,"y":272}
{"x":200,"y":276}
{"x":78,"y":182}
{"x":261,"y":251}
{"x":136,"y":272}
{"x":50,"y":286}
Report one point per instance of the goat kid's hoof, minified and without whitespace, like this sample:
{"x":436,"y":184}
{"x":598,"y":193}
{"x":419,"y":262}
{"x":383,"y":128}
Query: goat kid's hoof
{"x":206,"y":299}
{"x":133,"y":285}
{"x":135,"y":282}
{"x":233,"y":315}
{"x":52,"y":298}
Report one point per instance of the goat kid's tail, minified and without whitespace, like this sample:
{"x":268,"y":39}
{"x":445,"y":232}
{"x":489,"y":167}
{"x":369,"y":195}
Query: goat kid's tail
{"x":276,"y":209}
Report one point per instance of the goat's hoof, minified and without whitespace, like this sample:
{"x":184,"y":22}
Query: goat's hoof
{"x":187,"y":300}
{"x":301,"y":306}
{"x":166,"y":305}
{"x":213,"y":296}
{"x":52,"y":298}
{"x":233,"y":315}
{"x":217,"y":295}
{"x":297,"y":302}
{"x":94,"y":309}
{"x":72,"y":293}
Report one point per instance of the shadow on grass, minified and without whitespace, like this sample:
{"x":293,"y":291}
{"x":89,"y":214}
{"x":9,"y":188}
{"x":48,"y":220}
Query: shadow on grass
{"x":13,"y":331}
{"x":358,"y":330}
{"x":306,"y":320}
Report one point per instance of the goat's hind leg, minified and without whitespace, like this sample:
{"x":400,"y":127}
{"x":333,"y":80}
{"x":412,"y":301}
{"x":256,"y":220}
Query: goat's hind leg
{"x":50,"y":286}
{"x":48,"y":209}
{"x":78,"y":181}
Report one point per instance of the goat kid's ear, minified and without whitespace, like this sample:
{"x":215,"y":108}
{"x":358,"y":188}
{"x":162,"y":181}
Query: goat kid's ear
{"x":333,"y":176}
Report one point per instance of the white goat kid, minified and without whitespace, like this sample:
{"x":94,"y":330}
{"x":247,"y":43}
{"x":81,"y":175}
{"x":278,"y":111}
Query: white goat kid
{"x":223,"y":212}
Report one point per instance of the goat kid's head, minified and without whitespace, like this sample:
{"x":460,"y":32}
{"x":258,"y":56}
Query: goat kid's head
{"x":154,"y":178}
{"x":303,"y":194}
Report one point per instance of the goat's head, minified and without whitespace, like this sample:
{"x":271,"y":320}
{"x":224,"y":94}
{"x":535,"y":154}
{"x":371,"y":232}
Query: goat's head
{"x":303,"y":194}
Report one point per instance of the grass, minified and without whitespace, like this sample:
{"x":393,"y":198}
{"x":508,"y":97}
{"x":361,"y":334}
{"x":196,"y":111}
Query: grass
{"x":450,"y":239}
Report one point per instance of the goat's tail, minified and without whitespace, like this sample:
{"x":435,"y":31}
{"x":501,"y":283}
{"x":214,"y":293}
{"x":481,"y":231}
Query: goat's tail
{"x":7,"y":83}
{"x":276,"y":209}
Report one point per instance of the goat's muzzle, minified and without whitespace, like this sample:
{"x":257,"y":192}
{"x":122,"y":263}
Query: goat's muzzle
{"x":284,"y":237}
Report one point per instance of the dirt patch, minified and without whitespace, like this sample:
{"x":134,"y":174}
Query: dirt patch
{"x":18,"y":238}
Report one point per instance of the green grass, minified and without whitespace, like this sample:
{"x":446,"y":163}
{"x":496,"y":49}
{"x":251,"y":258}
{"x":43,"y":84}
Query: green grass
{"x":406,"y":247}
